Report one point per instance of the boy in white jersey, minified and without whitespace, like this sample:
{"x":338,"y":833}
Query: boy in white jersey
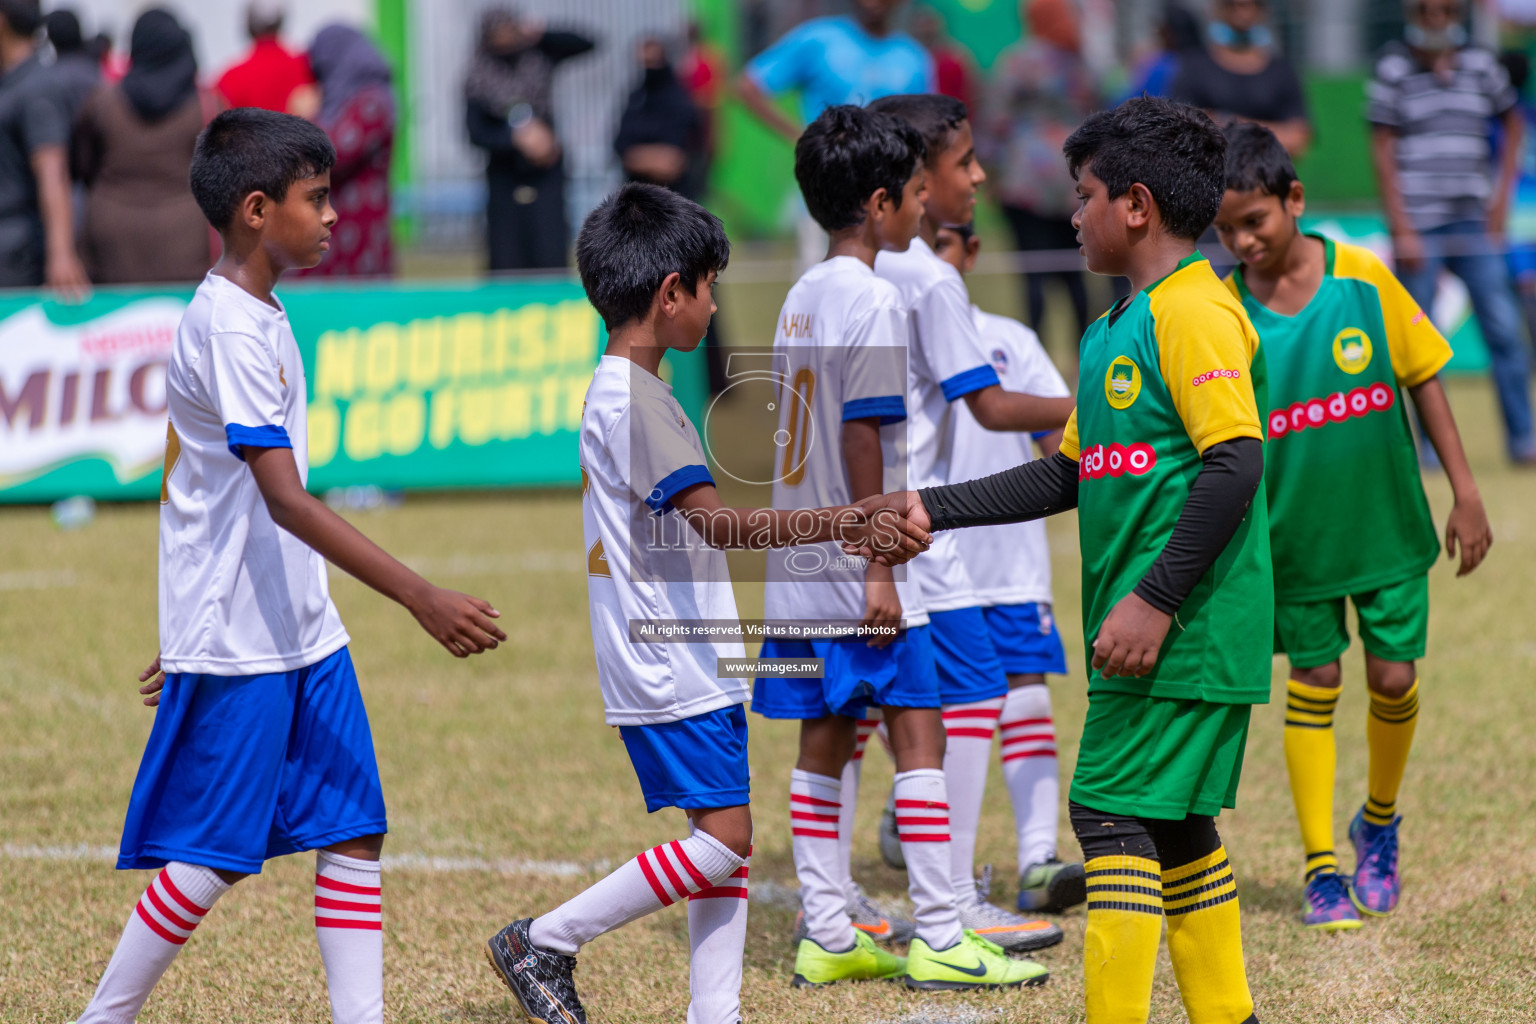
{"x":1010,"y":567}
{"x":948,"y":363}
{"x":260,"y":745}
{"x":655,"y":529}
{"x":840,"y":348}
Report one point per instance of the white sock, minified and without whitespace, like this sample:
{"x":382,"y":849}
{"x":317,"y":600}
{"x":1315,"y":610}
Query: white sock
{"x":814,"y":805}
{"x":167,"y":914}
{"x":968,"y":731}
{"x":1029,"y":769}
{"x":657,"y":878}
{"x":850,"y":798}
{"x":922,"y":822}
{"x":717,"y":937}
{"x":349,"y":925}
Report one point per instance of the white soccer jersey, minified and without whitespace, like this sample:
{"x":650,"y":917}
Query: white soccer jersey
{"x":239,"y":595}
{"x":946,"y":362}
{"x":644,"y":562}
{"x":840,"y":353}
{"x":1008,"y":564}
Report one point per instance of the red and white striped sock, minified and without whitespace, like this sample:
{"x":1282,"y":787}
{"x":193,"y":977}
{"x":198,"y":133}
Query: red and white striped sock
{"x":922,"y":823}
{"x":169,"y":911}
{"x":968,"y":731}
{"x":657,"y":878}
{"x":1029,"y":769}
{"x":349,"y":925}
{"x":717,"y":937}
{"x":814,"y":805}
{"x":850,"y":799}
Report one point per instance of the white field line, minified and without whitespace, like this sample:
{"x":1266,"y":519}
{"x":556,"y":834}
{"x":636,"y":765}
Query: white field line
{"x":37,"y":579}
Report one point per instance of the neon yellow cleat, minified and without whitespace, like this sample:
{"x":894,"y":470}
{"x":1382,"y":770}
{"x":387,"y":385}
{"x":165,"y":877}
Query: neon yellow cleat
{"x":973,"y":962}
{"x":817,"y":966}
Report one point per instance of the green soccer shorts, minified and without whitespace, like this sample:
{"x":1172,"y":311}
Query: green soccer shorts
{"x":1156,"y":757}
{"x":1394,"y":625}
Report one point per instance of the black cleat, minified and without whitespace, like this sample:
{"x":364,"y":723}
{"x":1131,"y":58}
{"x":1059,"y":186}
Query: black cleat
{"x":540,"y":980}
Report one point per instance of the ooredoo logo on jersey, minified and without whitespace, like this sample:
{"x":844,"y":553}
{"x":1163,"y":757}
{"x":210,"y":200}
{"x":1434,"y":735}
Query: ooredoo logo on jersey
{"x":1100,"y":461}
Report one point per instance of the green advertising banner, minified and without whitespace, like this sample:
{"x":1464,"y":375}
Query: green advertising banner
{"x":410,"y":386}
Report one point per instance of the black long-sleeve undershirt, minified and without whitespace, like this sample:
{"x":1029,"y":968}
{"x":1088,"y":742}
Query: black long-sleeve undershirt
{"x":1229,"y":477}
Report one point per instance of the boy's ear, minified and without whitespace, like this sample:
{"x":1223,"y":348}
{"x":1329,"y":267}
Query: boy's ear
{"x":253,"y":210}
{"x":669,"y":295}
{"x":1296,"y":199}
{"x":876,"y":202}
{"x":972,"y":248}
{"x":1140,"y":207}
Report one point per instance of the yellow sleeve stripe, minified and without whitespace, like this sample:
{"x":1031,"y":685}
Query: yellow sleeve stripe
{"x":1420,"y":374}
{"x":1236,"y":430}
{"x":1071,"y":445}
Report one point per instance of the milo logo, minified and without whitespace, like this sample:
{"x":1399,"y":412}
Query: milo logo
{"x":1122,"y":383}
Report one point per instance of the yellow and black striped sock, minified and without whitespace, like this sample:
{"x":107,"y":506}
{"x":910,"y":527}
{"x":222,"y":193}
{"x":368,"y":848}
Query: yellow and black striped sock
{"x":1205,"y":941}
{"x":1311,"y":757}
{"x":1125,"y":922}
{"x":1389,"y":736}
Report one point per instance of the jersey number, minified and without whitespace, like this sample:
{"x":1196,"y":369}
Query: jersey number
{"x":597,"y":561}
{"x":798,"y":427}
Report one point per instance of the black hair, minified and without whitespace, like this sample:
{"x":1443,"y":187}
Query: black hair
{"x":847,"y":153}
{"x":937,"y":118}
{"x":635,"y":238}
{"x":966,"y":231}
{"x":64,"y":31}
{"x":1256,"y":162}
{"x":1175,"y":150}
{"x":24,"y":17}
{"x":247,"y":150}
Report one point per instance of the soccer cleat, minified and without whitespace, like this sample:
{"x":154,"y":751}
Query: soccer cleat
{"x":1051,"y":886}
{"x":815,"y":965}
{"x":973,"y":962}
{"x":867,"y":916}
{"x":1014,"y":933}
{"x":1376,"y":885}
{"x":540,"y":980}
{"x":1329,"y":908}
{"x":890,"y":840}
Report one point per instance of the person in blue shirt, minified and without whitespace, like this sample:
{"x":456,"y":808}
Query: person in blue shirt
{"x":836,"y":60}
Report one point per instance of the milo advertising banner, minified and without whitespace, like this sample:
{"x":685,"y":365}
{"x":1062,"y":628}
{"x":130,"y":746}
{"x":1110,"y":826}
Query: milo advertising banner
{"x":416,"y":386}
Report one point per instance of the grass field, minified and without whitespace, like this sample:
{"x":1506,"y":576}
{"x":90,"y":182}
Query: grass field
{"x":507,"y":793}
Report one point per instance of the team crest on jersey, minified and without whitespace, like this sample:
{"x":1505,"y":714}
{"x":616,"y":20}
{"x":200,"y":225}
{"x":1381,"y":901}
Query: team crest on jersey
{"x":1352,"y":350}
{"x":999,"y":361}
{"x":1122,"y":383}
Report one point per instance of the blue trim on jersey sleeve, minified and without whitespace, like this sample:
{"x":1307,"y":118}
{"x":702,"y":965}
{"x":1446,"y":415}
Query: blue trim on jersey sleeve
{"x":266,"y":436}
{"x":963,"y":383}
{"x":660,"y":498}
{"x":890,"y":409}
{"x":1040,"y":435}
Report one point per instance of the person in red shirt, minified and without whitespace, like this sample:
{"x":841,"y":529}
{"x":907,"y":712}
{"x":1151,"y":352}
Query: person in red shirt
{"x":269,"y":75}
{"x":954,"y":68}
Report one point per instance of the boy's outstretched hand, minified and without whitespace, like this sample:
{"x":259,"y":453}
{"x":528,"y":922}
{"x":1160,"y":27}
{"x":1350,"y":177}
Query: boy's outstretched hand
{"x":1467,"y":529}
{"x":900,"y":507}
{"x":1130,"y":638}
{"x":152,"y":686}
{"x":461,"y":623}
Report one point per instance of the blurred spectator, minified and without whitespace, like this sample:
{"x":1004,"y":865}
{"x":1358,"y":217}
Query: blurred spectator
{"x":75,"y":70}
{"x":37,"y":242}
{"x":702,"y":71}
{"x":1041,"y":90}
{"x":954,"y":69}
{"x":660,"y":127}
{"x":1177,"y":34}
{"x":113,"y":66}
{"x":1239,"y":74}
{"x":1429,"y":104}
{"x":269,"y":74}
{"x":357,"y":110}
{"x":132,"y":150}
{"x":836,"y":60}
{"x":830,"y":61}
{"x":510,"y":115}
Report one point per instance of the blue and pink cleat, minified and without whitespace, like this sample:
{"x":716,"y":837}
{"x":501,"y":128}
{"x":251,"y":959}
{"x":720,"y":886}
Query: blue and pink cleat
{"x":1376,"y":885}
{"x":1328,"y":905}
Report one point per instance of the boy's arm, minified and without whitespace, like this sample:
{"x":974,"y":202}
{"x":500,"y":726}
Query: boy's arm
{"x":459,"y":622}
{"x":883,"y":535}
{"x":997,"y":409}
{"x":1467,"y":526}
{"x":866,"y":471}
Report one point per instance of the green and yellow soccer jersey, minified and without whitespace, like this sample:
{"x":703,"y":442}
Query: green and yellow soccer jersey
{"x":1347,"y":511}
{"x":1176,"y":371}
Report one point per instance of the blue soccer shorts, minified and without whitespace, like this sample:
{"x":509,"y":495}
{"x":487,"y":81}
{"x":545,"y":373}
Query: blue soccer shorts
{"x":969,"y":669}
{"x":856,"y":676}
{"x":1026,"y":639}
{"x":240,"y":769}
{"x":698,"y":762}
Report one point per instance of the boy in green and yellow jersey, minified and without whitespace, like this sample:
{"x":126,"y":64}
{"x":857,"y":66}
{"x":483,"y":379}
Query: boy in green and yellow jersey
{"x":1162,"y":458}
{"x":1342,"y":336}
